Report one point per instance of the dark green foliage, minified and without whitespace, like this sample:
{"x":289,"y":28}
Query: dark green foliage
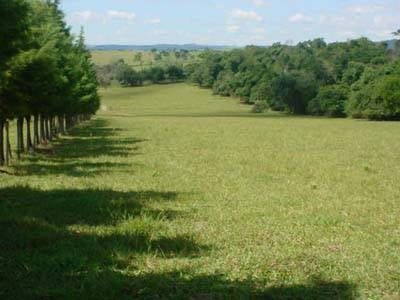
{"x":13,"y":27}
{"x":127,"y":76}
{"x":294,"y":90}
{"x":205,"y":73}
{"x":259,"y":106}
{"x":49,"y":73}
{"x":330,"y":101}
{"x":155,"y":74}
{"x":376,"y":95}
{"x":225,"y":84}
{"x":353,"y":72}
{"x":174,"y":73}
{"x":380,"y":100}
{"x":312,"y":77}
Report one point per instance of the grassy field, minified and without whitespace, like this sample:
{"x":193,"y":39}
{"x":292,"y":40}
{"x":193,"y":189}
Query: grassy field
{"x":172,"y":193}
{"x":102,"y":58}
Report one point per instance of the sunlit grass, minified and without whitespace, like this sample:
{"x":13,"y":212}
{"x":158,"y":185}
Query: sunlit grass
{"x":102,"y":58}
{"x":174,"y":193}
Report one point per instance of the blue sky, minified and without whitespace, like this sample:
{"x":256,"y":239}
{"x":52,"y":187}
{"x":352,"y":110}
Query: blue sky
{"x":233,"y":22}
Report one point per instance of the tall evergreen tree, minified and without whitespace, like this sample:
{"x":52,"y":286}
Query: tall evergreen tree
{"x":13,"y":26}
{"x":48,"y":76}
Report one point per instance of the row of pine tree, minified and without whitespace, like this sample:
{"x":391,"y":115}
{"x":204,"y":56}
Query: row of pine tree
{"x":47,"y":80}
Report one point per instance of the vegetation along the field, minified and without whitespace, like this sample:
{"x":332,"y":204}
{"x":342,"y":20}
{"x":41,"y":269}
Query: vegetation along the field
{"x":47,"y":81}
{"x":217,"y":185}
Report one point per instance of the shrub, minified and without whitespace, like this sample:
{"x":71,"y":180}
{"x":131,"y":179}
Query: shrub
{"x":385,"y":100}
{"x":259,"y":106}
{"x":330,"y":101}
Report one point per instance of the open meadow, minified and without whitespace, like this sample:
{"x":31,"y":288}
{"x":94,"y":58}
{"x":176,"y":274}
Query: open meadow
{"x":173,"y":193}
{"x":142,"y":59}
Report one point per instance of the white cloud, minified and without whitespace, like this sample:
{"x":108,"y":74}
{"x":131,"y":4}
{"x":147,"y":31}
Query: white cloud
{"x":259,"y":30}
{"x":123,"y":15}
{"x":233,"y":28}
{"x":385,"y":21}
{"x":154,"y":21}
{"x":299,"y":18}
{"x":85,"y":16}
{"x":365,"y":8}
{"x":348,"y":34}
{"x":246,"y":15}
{"x":336,"y":21}
{"x":259,"y":2}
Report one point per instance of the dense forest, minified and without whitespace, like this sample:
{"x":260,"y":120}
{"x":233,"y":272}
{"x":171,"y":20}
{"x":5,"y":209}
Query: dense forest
{"x":358,"y":78}
{"x":46,"y":75}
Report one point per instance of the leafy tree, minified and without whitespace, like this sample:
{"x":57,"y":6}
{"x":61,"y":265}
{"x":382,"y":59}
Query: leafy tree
{"x":174,"y":73}
{"x":311,"y":77}
{"x":13,"y":27}
{"x":139,"y":59}
{"x":49,"y":76}
{"x":295,"y":90}
{"x":353,"y":72}
{"x":330,"y":101}
{"x":128,"y":77}
{"x":104,"y":75}
{"x":379,"y":100}
{"x":155,"y":74}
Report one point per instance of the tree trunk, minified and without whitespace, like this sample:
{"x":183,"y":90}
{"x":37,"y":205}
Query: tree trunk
{"x":42,"y":130}
{"x":56,"y":126}
{"x":20,"y":136}
{"x":46,"y":128}
{"x":8,"y":143}
{"x":36,"y":140}
{"x":2,"y":157}
{"x":69,"y":122}
{"x":51,"y":128}
{"x":61,"y":124}
{"x":29,"y":145}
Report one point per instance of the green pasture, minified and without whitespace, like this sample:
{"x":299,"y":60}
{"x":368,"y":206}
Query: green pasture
{"x":173,"y":193}
{"x":148,"y":59}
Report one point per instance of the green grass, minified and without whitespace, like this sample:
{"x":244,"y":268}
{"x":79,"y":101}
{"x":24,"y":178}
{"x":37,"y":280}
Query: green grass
{"x":102,"y":58}
{"x":172,"y":193}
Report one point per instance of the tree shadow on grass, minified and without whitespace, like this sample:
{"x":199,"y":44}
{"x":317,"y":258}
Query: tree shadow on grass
{"x":72,"y":169}
{"x":87,"y":244}
{"x":84,"y":207}
{"x":68,"y":243}
{"x":70,"y":154}
{"x":96,"y":138}
{"x":183,"y":285}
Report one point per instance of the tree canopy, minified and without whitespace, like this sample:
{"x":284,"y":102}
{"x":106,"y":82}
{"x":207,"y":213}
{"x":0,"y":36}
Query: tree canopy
{"x":313,"y":77}
{"x":45,"y":72}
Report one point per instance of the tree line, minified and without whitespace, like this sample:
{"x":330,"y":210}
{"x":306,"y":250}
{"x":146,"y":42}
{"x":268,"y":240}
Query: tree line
{"x":128,"y":76}
{"x":47,"y":80}
{"x":357,"y":78}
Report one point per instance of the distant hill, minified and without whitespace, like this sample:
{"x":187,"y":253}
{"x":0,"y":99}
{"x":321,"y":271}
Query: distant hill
{"x":158,"y":47}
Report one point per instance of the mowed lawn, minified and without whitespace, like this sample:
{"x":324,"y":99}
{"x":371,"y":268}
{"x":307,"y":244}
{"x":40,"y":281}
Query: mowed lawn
{"x":172,"y":193}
